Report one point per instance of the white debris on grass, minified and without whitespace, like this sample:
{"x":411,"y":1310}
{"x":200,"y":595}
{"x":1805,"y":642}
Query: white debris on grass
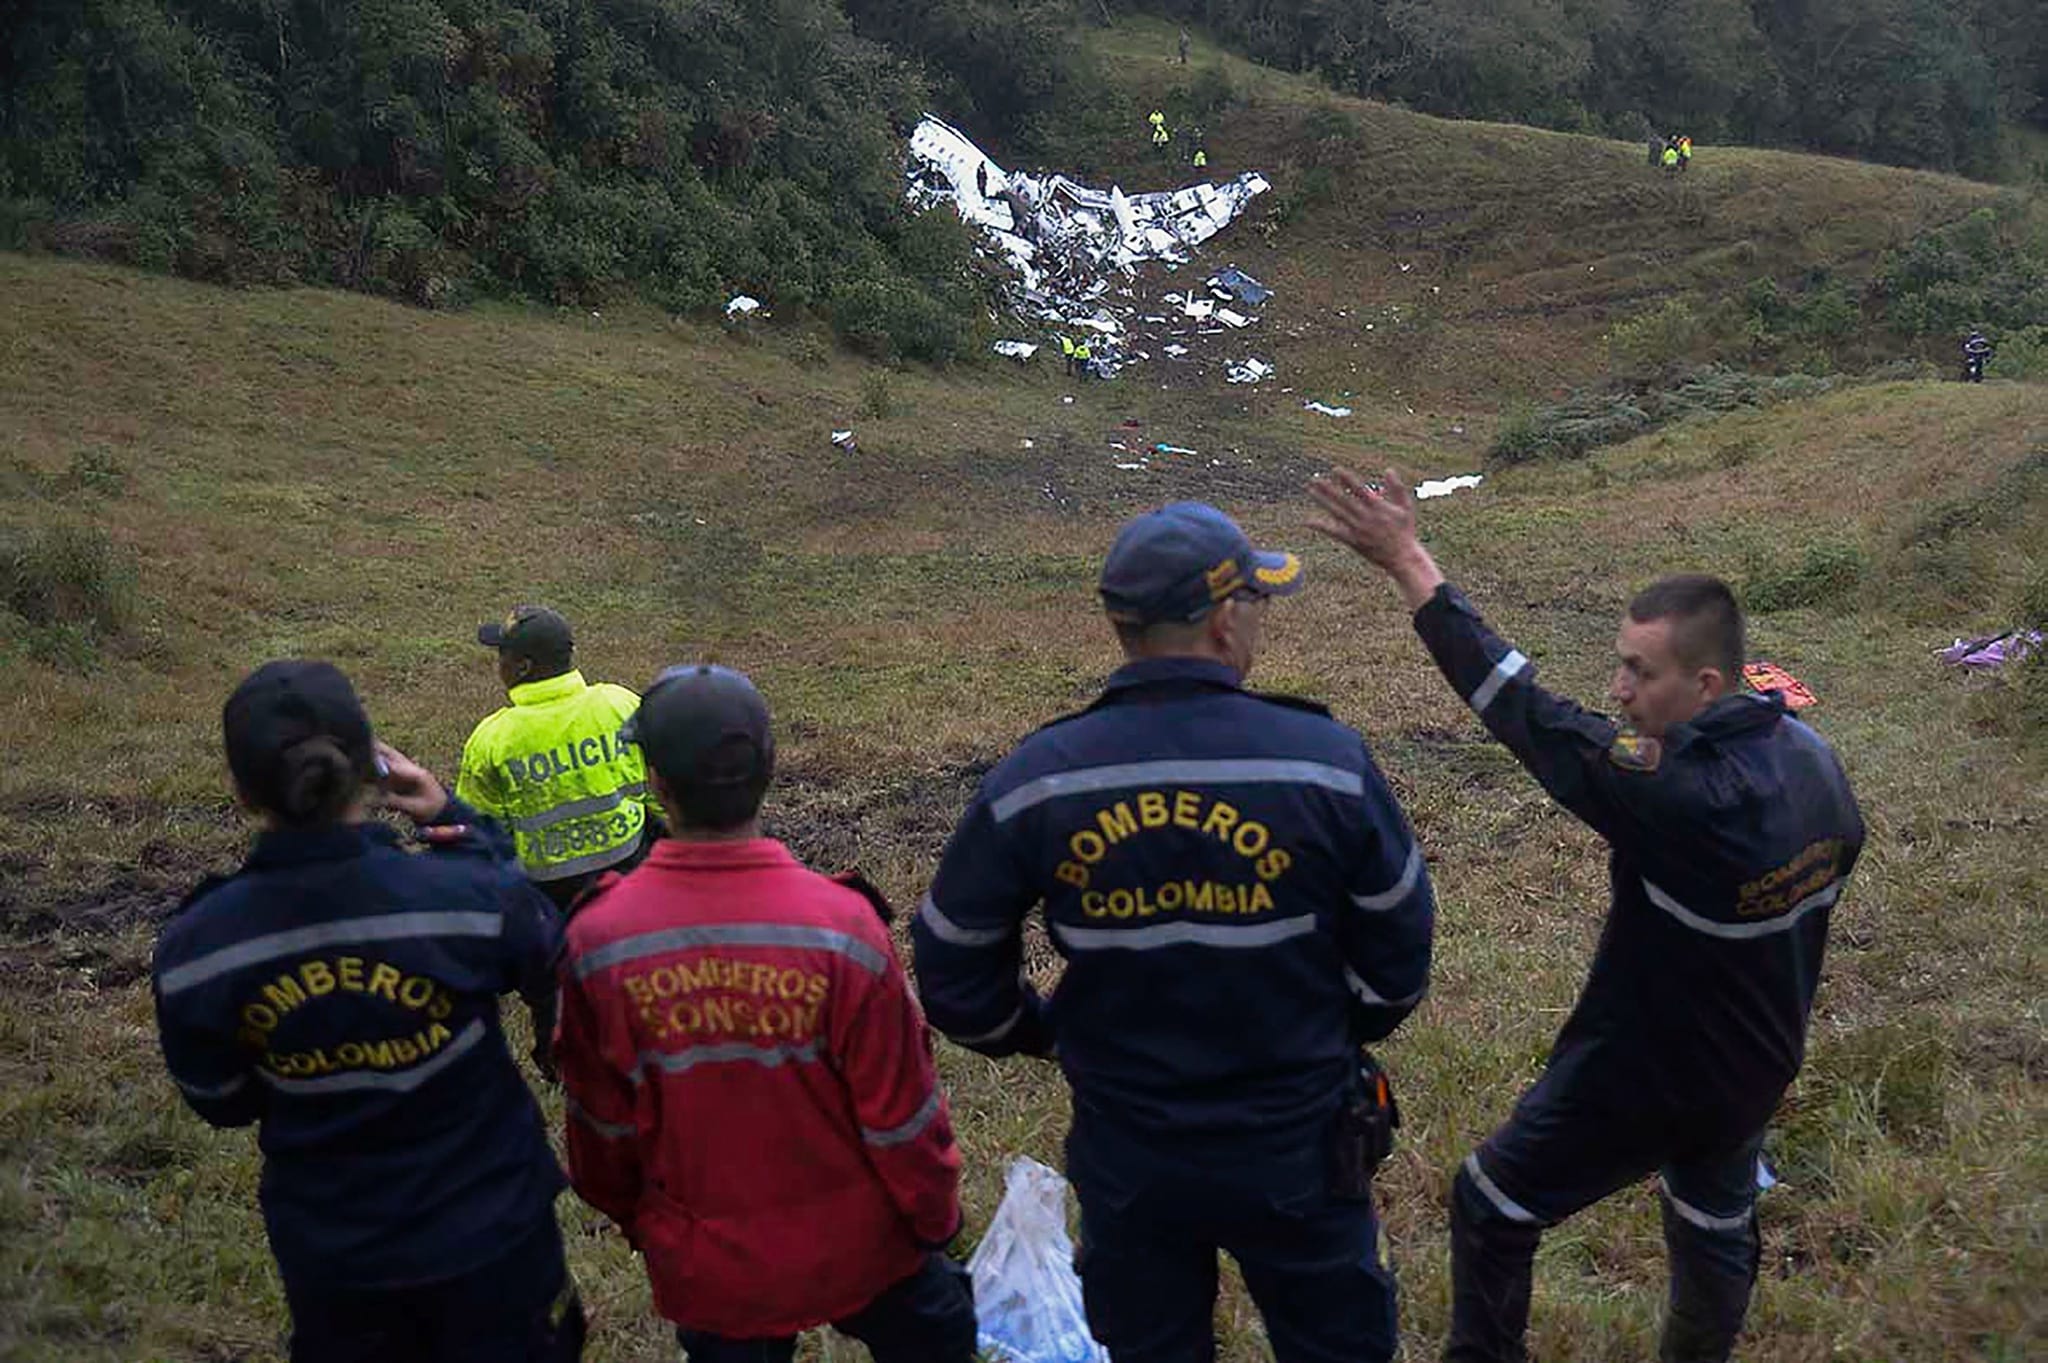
{"x":844,"y":440}
{"x":1176,"y":351}
{"x":1072,"y":248}
{"x":1232,"y":319}
{"x":740,"y":306}
{"x":1444,"y":487}
{"x":1326,"y":409}
{"x":1016,"y":350}
{"x":1250,"y":371}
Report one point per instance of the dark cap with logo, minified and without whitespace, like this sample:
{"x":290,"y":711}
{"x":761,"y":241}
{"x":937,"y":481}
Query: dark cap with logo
{"x":530,"y":632}
{"x":281,"y":705}
{"x":704,"y":730}
{"x":1176,"y":563}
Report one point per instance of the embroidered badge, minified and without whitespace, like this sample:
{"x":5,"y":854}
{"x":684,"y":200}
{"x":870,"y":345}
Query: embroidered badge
{"x":1634,"y":752}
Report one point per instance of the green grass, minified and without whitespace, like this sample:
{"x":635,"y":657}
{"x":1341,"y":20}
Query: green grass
{"x":319,"y":474}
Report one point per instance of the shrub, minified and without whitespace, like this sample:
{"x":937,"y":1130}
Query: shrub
{"x":66,"y":576}
{"x":2021,"y":354}
{"x":1654,"y":343}
{"x":1825,"y":573}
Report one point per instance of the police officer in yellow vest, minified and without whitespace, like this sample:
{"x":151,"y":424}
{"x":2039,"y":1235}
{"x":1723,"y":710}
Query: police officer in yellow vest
{"x":551,"y":765}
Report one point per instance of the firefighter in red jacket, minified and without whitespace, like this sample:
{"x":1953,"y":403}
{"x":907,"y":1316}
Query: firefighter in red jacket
{"x":750,"y":1085}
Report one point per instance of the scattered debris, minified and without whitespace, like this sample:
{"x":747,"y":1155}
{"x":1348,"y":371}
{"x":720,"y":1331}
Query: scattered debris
{"x":1992,"y":651}
{"x":1235,"y":283}
{"x":1326,"y":409}
{"x":1232,"y":319}
{"x":1027,"y":443}
{"x":1071,"y":248}
{"x":845,"y":441}
{"x":1763,"y":676}
{"x":1016,"y":350}
{"x":1176,"y":351}
{"x":1250,"y":371}
{"x":1173,"y":449}
{"x":1444,"y":487}
{"x":740,"y":306}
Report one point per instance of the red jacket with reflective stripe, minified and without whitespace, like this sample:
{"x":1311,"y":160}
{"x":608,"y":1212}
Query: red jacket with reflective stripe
{"x":750,"y":1089}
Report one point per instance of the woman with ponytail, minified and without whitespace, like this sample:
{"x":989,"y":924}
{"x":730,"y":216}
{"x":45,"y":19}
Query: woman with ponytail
{"x":341,"y":993}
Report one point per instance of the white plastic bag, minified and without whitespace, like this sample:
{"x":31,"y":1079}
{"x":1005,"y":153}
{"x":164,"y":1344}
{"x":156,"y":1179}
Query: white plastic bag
{"x":1025,"y":1290}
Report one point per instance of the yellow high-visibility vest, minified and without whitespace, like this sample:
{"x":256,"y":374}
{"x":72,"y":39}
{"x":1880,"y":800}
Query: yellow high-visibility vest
{"x":552,"y":768}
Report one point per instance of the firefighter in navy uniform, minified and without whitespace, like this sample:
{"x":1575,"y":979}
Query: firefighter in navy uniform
{"x":1733,"y":831}
{"x":342,"y":994}
{"x":1241,"y":905}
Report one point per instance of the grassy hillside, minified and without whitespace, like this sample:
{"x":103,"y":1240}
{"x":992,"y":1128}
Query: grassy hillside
{"x":217,"y":478}
{"x":320,"y":474}
{"x":1434,"y":263}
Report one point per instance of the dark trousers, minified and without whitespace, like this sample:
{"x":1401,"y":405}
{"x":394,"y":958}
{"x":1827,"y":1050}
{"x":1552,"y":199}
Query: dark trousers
{"x":1558,"y":1154}
{"x":926,"y":1318}
{"x":520,"y":1308}
{"x":1149,"y":1238}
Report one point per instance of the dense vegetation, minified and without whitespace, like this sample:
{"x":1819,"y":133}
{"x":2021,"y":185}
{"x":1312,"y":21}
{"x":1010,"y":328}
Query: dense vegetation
{"x":686,"y":150}
{"x":1912,"y":82}
{"x":561,"y":149}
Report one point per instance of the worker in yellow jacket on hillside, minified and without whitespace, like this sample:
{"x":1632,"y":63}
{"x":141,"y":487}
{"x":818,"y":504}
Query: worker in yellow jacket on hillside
{"x":551,"y":766}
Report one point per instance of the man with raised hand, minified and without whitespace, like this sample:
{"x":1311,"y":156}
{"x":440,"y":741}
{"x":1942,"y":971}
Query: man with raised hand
{"x":1241,"y":905}
{"x":1733,"y":831}
{"x":749,"y":1082}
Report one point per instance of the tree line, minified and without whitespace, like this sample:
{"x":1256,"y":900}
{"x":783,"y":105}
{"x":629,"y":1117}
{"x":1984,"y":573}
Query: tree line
{"x":1926,"y":83}
{"x":555,"y":149}
{"x":684,"y":150}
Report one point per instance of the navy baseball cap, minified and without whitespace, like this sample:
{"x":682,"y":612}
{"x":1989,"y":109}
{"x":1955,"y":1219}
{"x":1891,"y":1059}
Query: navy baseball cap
{"x":529,"y":632}
{"x":704,"y":729}
{"x":1176,"y":563}
{"x":281,"y":705}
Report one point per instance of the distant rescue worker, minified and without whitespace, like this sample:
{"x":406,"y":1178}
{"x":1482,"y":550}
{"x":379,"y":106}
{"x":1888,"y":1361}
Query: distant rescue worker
{"x":553,"y":765}
{"x":1067,"y":354}
{"x":749,"y":1081}
{"x":1160,"y":137}
{"x":1242,"y":906}
{"x":1733,"y":832}
{"x":342,"y":995}
{"x":1201,"y":159}
{"x":1685,"y":152}
{"x":1183,"y":47}
{"x":1976,"y":354}
{"x":1669,"y":156}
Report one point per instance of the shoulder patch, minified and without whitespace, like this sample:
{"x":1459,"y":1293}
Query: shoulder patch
{"x":1634,"y":752}
{"x":865,"y":888}
{"x":1313,"y":707}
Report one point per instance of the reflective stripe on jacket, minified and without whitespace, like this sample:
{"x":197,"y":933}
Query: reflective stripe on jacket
{"x":1732,"y":835}
{"x":1238,"y":896}
{"x":750,"y":1088}
{"x":342,"y":993}
{"x":552,"y":768}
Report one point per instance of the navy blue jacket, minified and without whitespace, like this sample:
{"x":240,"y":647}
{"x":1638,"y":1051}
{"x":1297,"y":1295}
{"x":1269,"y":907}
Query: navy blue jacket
{"x":1238,"y":897}
{"x":343,"y":994}
{"x":1731,"y":838}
